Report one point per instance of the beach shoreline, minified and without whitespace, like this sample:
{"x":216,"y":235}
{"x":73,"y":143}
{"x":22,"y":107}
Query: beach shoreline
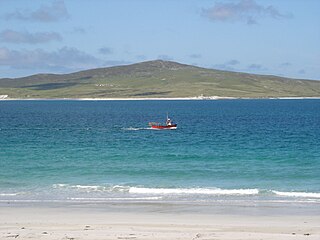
{"x":135,"y":221}
{"x":156,"y":99}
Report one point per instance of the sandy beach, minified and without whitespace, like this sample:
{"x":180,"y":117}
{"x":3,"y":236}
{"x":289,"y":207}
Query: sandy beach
{"x":130,"y":221}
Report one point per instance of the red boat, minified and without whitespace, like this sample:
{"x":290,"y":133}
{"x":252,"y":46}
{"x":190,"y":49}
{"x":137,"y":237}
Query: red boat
{"x":168,"y":125}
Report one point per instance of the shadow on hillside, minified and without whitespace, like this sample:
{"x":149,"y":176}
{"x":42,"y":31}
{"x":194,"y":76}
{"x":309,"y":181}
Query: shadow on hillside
{"x":50,"y":86}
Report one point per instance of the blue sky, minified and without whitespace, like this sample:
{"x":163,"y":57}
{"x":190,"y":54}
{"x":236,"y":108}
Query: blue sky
{"x":280,"y":37}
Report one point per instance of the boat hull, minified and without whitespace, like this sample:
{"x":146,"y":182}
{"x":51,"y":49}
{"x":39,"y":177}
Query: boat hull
{"x":173,"y":126}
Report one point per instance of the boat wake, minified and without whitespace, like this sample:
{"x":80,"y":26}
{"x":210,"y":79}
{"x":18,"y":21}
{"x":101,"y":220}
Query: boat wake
{"x":136,"y":129}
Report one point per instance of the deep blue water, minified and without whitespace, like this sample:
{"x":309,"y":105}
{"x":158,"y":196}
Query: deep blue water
{"x":104,"y":149}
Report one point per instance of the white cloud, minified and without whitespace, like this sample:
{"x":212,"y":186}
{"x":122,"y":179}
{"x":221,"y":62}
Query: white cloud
{"x":285,"y":64}
{"x":62,"y":59}
{"x":195,"y":55}
{"x":256,"y":67}
{"x":233,"y":62}
{"x":54,"y":12}
{"x":244,"y":10}
{"x":11,"y":36}
{"x":229,"y":65}
{"x":105,"y":51}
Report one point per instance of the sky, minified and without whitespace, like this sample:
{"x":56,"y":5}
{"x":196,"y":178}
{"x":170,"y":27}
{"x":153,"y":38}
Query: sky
{"x":273,"y":37}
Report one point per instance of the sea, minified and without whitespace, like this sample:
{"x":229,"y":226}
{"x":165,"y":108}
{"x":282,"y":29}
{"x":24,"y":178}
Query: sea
{"x":223,"y":151}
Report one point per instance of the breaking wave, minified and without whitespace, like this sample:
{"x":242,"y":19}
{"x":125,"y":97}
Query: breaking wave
{"x":204,"y":191}
{"x":298,"y":194}
{"x":139,"y":190}
{"x":93,"y":188}
{"x":10,"y":194}
{"x":159,"y":191}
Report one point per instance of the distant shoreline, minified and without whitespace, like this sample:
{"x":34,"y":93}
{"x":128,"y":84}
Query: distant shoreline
{"x":155,"y":99}
{"x":156,"y":80}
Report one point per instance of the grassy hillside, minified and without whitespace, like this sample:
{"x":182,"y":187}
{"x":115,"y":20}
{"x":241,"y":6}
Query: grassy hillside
{"x":156,"y":79}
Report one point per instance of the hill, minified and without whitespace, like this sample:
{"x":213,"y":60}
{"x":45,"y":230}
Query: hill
{"x":156,"y":79}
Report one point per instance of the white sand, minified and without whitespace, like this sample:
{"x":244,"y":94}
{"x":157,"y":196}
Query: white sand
{"x":78,"y":222}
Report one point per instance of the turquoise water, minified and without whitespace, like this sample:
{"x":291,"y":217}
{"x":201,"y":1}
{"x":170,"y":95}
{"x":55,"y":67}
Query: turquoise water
{"x":104,"y":151}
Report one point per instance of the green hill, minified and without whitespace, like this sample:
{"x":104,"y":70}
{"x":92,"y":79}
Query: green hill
{"x":156,"y":79}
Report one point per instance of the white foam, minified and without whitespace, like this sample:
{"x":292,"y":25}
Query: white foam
{"x":93,"y":188}
{"x":131,"y":129}
{"x":88,"y":187}
{"x":135,"y":129}
{"x":305,"y":200}
{"x":59,"y":185}
{"x":9,"y":194}
{"x":204,"y":191}
{"x":174,"y":191}
{"x":298,"y":194}
{"x":161,"y":191}
{"x":116,"y":199}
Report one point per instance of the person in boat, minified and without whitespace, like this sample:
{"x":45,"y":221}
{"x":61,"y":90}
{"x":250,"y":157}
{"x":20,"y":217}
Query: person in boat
{"x":168,"y":122}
